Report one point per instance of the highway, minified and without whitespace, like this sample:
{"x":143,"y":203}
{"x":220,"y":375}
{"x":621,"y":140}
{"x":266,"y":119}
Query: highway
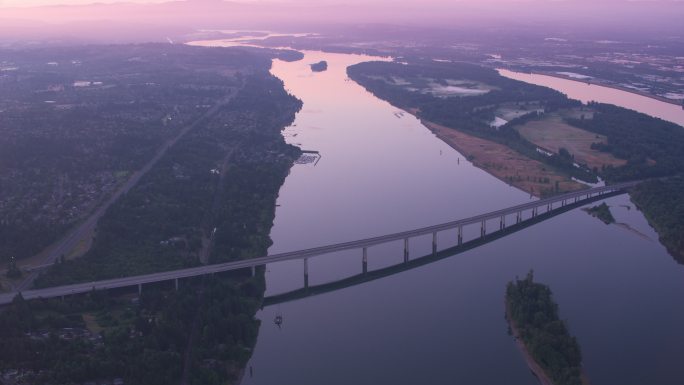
{"x":54,"y":292}
{"x":84,"y":230}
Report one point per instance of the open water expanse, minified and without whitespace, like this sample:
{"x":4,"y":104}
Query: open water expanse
{"x":381,"y":171}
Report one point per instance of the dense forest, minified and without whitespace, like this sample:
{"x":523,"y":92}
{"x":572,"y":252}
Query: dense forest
{"x":662,"y":201}
{"x":601,"y":212}
{"x":651,"y":146}
{"x":532,"y":310}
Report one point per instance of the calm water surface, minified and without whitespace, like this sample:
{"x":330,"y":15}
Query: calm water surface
{"x":592,"y":92}
{"x":381,"y":171}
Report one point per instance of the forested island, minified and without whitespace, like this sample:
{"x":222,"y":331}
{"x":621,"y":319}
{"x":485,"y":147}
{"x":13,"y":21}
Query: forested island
{"x":320,"y":66}
{"x":533,"y":318}
{"x":601,"y":212}
{"x":210,"y":198}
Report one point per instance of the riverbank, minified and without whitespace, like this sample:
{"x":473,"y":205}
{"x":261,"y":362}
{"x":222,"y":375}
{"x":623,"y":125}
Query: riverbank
{"x":506,"y":164}
{"x":551,"y":353}
{"x":535,"y":368}
{"x":599,"y":83}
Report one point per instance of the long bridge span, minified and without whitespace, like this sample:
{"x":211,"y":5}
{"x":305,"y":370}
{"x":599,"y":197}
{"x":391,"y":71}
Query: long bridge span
{"x":521,"y":213}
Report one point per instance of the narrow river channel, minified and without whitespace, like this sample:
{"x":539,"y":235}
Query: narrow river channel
{"x":586,"y":92}
{"x":381,"y":171}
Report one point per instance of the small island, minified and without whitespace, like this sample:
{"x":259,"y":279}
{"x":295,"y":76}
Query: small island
{"x":551,"y":352}
{"x":601,"y":212}
{"x":320,"y":66}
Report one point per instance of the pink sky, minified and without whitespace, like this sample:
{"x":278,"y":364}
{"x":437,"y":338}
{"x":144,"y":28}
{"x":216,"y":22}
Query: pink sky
{"x":633,"y":16}
{"x":15,"y":3}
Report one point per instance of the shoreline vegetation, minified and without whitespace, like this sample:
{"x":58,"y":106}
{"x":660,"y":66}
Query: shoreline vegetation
{"x":319,"y":67}
{"x":600,"y":83}
{"x":601,"y":212}
{"x":190,"y":209}
{"x":494,"y":121}
{"x":456,"y":101}
{"x":551,"y":353}
{"x":662,"y":203}
{"x":505,"y":164}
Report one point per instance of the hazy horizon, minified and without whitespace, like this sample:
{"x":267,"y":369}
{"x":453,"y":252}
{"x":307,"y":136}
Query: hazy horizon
{"x":153,"y":20}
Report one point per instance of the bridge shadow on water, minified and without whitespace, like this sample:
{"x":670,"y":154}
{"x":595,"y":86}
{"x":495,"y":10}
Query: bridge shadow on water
{"x":373,"y":275}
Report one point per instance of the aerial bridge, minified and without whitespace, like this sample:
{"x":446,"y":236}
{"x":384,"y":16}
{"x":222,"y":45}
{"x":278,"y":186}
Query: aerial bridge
{"x":492,"y":225}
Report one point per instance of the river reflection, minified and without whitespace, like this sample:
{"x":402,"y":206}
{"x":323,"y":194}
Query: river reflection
{"x":381,"y":171}
{"x":591,"y":92}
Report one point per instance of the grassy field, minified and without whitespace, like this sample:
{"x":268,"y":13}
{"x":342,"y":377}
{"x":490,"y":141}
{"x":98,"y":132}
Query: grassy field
{"x":552,"y":133}
{"x":506,"y":164}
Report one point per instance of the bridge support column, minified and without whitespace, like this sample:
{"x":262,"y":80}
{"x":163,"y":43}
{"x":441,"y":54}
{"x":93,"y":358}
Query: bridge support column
{"x":253,"y":271}
{"x":139,"y":289}
{"x":483,"y":229}
{"x":434,"y":243}
{"x":518,"y":217}
{"x":502,"y":223}
{"x":460,"y":235}
{"x":364,"y":261}
{"x":406,"y":249}
{"x":306,"y":273}
{"x":176,"y":282}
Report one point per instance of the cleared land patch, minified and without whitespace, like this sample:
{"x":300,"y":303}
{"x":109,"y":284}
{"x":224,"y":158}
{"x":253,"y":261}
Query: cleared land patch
{"x":552,"y":133}
{"x":506,"y":164}
{"x":441,"y":88}
{"x":510,"y":111}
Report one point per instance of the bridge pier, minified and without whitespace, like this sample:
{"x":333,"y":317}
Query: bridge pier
{"x":253,"y":271}
{"x":176,"y":282}
{"x":518,"y":217}
{"x":460,"y":235}
{"x":406,"y":249}
{"x":306,"y":273}
{"x":364,"y":261}
{"x":434,"y":243}
{"x":483,"y":228}
{"x":139,"y":289}
{"x":502,"y":223}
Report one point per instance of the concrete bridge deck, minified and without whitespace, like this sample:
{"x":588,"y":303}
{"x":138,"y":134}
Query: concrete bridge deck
{"x":519,"y":210}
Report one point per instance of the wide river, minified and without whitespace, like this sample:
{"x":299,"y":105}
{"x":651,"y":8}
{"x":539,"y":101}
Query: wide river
{"x":381,"y":171}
